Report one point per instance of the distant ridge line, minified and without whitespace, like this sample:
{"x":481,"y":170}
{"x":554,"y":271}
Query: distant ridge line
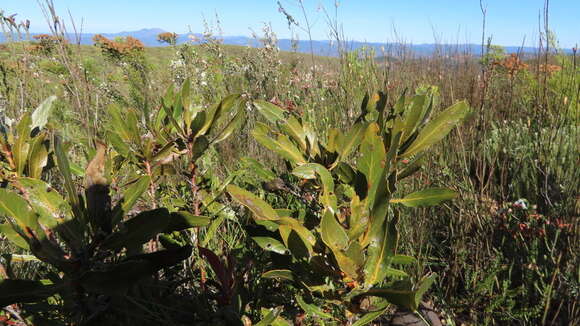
{"x":321,"y":47}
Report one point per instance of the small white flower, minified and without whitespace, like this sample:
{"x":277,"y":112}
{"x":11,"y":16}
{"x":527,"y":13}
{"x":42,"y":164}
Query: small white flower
{"x":521,"y":203}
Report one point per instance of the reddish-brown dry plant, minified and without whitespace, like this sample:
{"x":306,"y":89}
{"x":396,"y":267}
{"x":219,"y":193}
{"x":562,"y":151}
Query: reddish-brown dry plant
{"x":45,"y":43}
{"x":129,"y":47}
{"x":512,"y":64}
{"x":167,"y":37}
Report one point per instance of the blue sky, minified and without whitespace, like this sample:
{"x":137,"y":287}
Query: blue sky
{"x":417,"y":21}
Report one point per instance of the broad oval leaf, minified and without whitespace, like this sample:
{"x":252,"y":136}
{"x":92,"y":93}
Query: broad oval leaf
{"x":271,"y":244}
{"x":41,"y":113}
{"x":312,"y":309}
{"x":8,"y":231}
{"x":438,"y":128}
{"x":260,"y":209}
{"x":182,"y":220}
{"x":333,"y":234}
{"x":258,"y":168}
{"x":270,"y":111}
{"x":370,"y":316}
{"x":64,"y":168}
{"x":403,"y":260}
{"x":282,"y":145}
{"x":37,"y":156}
{"x":270,"y":317}
{"x":46,"y":201}
{"x":281,"y":274}
{"x":130,"y":197}
{"x":427,"y":197}
{"x":15,"y":207}
{"x":138,"y":230}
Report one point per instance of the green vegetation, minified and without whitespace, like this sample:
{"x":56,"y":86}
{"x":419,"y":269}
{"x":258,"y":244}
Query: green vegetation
{"x":221,"y":185}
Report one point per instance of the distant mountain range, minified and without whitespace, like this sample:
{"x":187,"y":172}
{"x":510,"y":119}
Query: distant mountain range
{"x":319,"y":47}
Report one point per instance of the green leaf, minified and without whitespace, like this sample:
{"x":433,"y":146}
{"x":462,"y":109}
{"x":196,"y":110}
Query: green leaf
{"x":13,"y":258}
{"x":403,"y":260}
{"x":13,"y":236}
{"x":312,"y":309}
{"x":235,"y":123}
{"x":333,"y":234}
{"x":393,"y":272}
{"x":257,"y":168}
{"x":293,"y":128}
{"x":37,"y":156}
{"x":370,"y":316}
{"x":64,"y":167}
{"x":401,"y":103}
{"x":24,"y":291}
{"x":352,"y":139}
{"x":286,"y":147}
{"x":15,"y":207}
{"x":427,"y":197}
{"x":132,"y":125}
{"x":415,"y":165}
{"x":197,"y":123}
{"x":372,"y":163}
{"x":358,"y":218}
{"x":403,"y":298}
{"x":381,"y":248}
{"x":436,"y":129}
{"x":414,"y":114}
{"x":21,"y":143}
{"x":186,"y":93}
{"x":184,"y":220}
{"x":118,"y":143}
{"x":282,"y":146}
{"x":351,"y":260}
{"x":270,"y":111}
{"x":119,"y":123}
{"x":199,"y":147}
{"x":299,"y":247}
{"x":280,"y":274}
{"x":312,"y":139}
{"x":271,"y":244}
{"x":260,"y":209}
{"x":46,"y":201}
{"x":130,"y":197}
{"x":214,"y":113}
{"x":164,"y":153}
{"x":270,"y":317}
{"x":300,"y":229}
{"x":41,"y":113}
{"x":309,"y":171}
{"x":138,"y":230}
{"x":424,"y":286}
{"x":212,"y":229}
{"x":334,"y":141}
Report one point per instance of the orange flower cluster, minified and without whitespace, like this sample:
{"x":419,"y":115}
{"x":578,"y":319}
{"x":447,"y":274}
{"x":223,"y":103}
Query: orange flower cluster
{"x":167,"y":37}
{"x":45,"y":43}
{"x":521,"y":222}
{"x":550,"y":69}
{"x":512,"y":64}
{"x":118,"y":50}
